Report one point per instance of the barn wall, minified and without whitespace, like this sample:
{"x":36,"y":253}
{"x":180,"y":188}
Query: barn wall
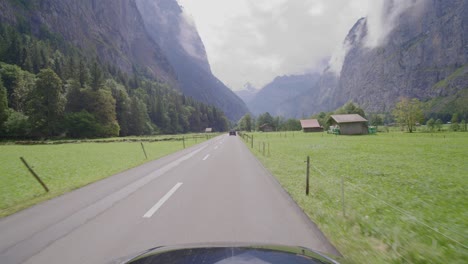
{"x":353,"y":129}
{"x":313,"y":129}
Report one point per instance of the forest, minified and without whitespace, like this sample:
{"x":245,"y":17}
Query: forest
{"x":50,"y":89}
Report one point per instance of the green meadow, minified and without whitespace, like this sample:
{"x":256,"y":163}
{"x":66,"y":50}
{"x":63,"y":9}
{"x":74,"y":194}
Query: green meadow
{"x":386,"y":198}
{"x":65,"y":167}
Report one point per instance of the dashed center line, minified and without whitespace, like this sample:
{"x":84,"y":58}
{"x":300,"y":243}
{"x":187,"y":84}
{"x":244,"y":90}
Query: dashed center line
{"x":216,"y":147}
{"x":206,"y":157}
{"x":162,"y":201}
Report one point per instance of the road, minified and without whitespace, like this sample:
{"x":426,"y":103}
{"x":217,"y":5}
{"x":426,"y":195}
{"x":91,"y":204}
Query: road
{"x":216,"y":191}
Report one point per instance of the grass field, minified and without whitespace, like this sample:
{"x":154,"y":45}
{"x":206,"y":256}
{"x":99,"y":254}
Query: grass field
{"x":64,"y":167}
{"x":405,"y":195}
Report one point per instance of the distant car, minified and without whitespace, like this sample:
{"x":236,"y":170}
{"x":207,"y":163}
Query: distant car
{"x":225,"y":254}
{"x":232,"y":133}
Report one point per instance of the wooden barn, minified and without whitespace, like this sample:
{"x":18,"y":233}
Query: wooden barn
{"x":352,"y":124}
{"x":311,"y":125}
{"x":266,"y":128}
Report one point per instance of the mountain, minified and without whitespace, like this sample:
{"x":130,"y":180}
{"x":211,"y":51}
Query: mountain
{"x":415,"y":49}
{"x":283,"y":96}
{"x":247,"y":93}
{"x":112,"y":31}
{"x":151,"y":38}
{"x":175,"y":32}
{"x":420,"y":51}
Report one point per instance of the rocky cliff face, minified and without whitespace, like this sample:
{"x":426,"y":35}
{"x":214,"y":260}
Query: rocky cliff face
{"x":152,"y":37}
{"x":111,"y":30}
{"x":424,"y":55}
{"x":178,"y":37}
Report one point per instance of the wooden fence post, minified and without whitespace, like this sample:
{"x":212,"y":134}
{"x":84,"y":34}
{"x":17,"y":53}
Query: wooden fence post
{"x":144,"y":151}
{"x":342,"y":196}
{"x":34,"y":174}
{"x":307,"y":177}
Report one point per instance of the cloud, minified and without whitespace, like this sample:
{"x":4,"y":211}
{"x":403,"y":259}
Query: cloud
{"x":255,"y":41}
{"x":384,"y":18}
{"x":189,"y":38}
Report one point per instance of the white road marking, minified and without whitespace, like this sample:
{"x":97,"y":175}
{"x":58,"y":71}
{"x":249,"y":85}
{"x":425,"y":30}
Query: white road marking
{"x":216,"y":147}
{"x":162,"y":201}
{"x":206,"y":157}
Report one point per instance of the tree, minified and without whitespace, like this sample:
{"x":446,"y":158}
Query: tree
{"x":139,"y":124}
{"x":408,"y":112}
{"x":454,"y":126}
{"x":96,"y":77}
{"x":245,"y":123}
{"x":4,"y":112}
{"x":463,"y":125}
{"x":438,"y":124}
{"x":81,"y":125}
{"x":350,"y":108}
{"x":291,"y":125}
{"x":47,"y":104}
{"x":17,"y":125}
{"x":376,"y":120}
{"x":430,"y":124}
{"x":263,"y":119}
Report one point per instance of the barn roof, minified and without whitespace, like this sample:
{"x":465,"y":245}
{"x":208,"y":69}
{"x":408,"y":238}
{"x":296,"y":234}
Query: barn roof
{"x":351,"y":118}
{"x":310,"y":123}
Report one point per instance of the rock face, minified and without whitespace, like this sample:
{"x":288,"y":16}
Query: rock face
{"x":152,"y":37}
{"x":424,"y":55}
{"x":179,"y":39}
{"x":416,"y":49}
{"x":111,"y":30}
{"x":286,"y":96}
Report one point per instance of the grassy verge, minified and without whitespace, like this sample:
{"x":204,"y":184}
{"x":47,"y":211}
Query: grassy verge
{"x":405,"y":194}
{"x":65,"y":167}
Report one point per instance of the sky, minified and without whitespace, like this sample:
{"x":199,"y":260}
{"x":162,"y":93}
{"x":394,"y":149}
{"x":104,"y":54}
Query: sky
{"x":256,"y":40}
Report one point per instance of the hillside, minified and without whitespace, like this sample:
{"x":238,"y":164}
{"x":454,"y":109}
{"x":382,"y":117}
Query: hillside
{"x":151,"y":38}
{"x":90,"y":69}
{"x":247,"y":93}
{"x":424,"y":56}
{"x":416,"y":49}
{"x":179,"y":39}
{"x":283,"y":95}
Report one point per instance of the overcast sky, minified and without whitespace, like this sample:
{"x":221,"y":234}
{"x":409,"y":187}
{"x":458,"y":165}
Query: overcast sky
{"x":256,"y":40}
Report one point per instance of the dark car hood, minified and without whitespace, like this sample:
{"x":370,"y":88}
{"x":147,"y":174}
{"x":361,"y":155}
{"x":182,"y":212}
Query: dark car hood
{"x":228,"y":254}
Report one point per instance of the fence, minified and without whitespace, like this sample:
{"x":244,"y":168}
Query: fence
{"x":389,"y":222}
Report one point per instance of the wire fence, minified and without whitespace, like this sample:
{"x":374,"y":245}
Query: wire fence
{"x":351,"y":197}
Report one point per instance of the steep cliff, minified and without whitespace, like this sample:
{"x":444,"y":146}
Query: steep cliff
{"x":153,"y":38}
{"x":167,"y":25}
{"x":111,"y":30}
{"x":423,"y":55}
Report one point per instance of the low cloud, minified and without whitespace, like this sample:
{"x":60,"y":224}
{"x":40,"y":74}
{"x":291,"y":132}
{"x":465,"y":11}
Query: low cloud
{"x":255,"y":41}
{"x":385,"y":16}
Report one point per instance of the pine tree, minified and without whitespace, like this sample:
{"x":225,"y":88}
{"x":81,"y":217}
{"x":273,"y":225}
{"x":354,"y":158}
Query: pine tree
{"x":3,"y":105}
{"x":47,"y":104}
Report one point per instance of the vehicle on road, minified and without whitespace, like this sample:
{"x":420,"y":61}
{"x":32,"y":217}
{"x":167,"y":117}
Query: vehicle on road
{"x":232,"y":133}
{"x":222,"y":254}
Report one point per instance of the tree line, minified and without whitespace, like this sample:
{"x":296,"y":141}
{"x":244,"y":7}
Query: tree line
{"x":48,"y":89}
{"x":408,"y":113}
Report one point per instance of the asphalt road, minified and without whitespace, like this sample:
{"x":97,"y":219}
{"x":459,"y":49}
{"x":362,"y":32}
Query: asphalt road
{"x":216,"y":191}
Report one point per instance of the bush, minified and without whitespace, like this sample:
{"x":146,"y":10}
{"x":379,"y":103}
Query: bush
{"x":17,"y":125}
{"x":81,"y":125}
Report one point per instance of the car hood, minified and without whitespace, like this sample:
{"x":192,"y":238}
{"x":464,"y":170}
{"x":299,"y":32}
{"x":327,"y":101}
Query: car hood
{"x":227,"y":254}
